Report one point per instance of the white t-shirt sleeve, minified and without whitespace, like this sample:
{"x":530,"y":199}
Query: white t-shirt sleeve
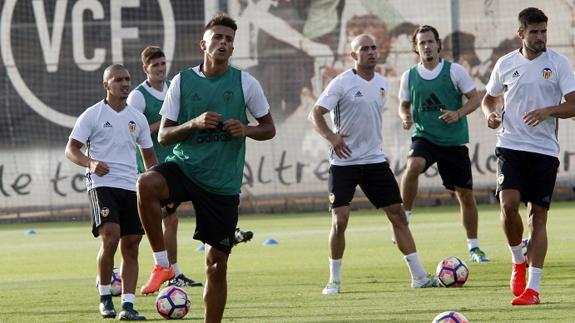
{"x":83,"y":127}
{"x":136,"y":99}
{"x":461,"y":79}
{"x":144,"y":139}
{"x":171,"y":106}
{"x":404,"y":94}
{"x":254,"y":96}
{"x":330,"y":97}
{"x":566,"y":76}
{"x":495,"y":85}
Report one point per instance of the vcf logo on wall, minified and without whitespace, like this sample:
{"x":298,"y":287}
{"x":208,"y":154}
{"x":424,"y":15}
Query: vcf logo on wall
{"x":54,"y":51}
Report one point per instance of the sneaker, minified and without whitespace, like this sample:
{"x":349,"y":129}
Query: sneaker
{"x":158,"y":276}
{"x":183,"y":281}
{"x":331,"y":288}
{"x":128,"y":313}
{"x":477,"y":255}
{"x":107,"y":309}
{"x":529,"y":297}
{"x":242,"y":236}
{"x":429,"y":282}
{"x":517,"y":281}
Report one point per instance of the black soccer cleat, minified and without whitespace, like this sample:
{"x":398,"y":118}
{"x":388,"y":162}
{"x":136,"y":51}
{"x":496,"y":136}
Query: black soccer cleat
{"x":128,"y":313}
{"x":107,"y":309}
{"x":242,"y":236}
{"x":182,"y":281}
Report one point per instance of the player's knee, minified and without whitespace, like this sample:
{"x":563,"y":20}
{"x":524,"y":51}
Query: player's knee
{"x":216,"y":269}
{"x":509,"y":210}
{"x":149,"y":183}
{"x":414,"y":167}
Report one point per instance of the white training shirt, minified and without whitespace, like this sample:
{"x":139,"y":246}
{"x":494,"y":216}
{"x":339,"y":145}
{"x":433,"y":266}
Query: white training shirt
{"x":355,"y":106}
{"x":527,"y":85}
{"x":459,"y":77}
{"x":112,"y":137}
{"x":254,"y":97}
{"x":136,"y":98}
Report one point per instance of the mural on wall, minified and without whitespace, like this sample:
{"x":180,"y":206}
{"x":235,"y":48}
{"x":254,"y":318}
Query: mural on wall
{"x":54,"y":53}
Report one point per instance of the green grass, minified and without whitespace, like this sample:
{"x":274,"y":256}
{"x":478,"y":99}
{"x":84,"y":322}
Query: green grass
{"x":49,"y":277}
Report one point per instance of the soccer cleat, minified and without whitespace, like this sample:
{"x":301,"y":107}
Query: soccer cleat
{"x":517,"y":281}
{"x":242,"y":236}
{"x":332,"y":288}
{"x":429,"y":282}
{"x":107,"y":309}
{"x":183,"y":281}
{"x":158,"y":276}
{"x":128,"y":313}
{"x":529,"y":297}
{"x":477,"y":255}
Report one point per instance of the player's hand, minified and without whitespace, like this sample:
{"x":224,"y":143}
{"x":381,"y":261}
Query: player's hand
{"x":407,"y":122}
{"x":235,"y":128}
{"x":535,"y":117}
{"x":494,"y":120}
{"x":207,"y":120}
{"x":99,"y":168}
{"x":339,"y":147}
{"x":449,"y":116}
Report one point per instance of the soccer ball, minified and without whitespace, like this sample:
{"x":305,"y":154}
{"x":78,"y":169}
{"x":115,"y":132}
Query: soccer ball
{"x":115,"y":283}
{"x":450,"y":317}
{"x":173,"y":303}
{"x":452,"y":272}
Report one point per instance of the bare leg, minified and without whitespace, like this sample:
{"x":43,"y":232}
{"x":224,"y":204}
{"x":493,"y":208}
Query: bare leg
{"x":537,"y":249}
{"x":401,"y":231}
{"x":129,"y":247}
{"x":339,"y":219}
{"x":468,"y":210}
{"x":510,"y":218}
{"x":110,"y":235}
{"x":410,"y":181}
{"x":216,"y":289}
{"x":171,"y":236}
{"x":152,"y":188}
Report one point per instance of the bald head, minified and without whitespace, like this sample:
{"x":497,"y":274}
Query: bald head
{"x":110,"y":71}
{"x":359,"y":40}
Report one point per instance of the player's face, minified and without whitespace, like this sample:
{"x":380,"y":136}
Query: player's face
{"x":534,"y":37}
{"x":365,"y":53}
{"x":427,"y":46}
{"x":156,"y":70}
{"x":218,"y":43}
{"x":118,"y":84}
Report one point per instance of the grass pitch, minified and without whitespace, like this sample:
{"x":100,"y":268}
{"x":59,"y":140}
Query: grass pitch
{"x":50,"y":276}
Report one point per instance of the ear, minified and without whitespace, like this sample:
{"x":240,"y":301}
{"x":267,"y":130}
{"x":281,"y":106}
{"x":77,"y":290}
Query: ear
{"x":145,"y":69}
{"x":105,"y":85}
{"x":354,"y":55}
{"x":203,"y":44}
{"x":521,"y":33}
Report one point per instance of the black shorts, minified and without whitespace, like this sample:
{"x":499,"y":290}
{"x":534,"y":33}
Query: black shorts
{"x":116,"y":205}
{"x":532,"y":174}
{"x":376,"y":181}
{"x":453,"y":162}
{"x":216,"y":215}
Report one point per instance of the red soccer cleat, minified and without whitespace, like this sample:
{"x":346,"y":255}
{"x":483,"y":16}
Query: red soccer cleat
{"x":517,"y":281}
{"x":158,"y":276}
{"x":529,"y":297}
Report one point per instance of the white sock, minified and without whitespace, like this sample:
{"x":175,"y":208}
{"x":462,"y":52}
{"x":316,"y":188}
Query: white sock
{"x":408,"y":215}
{"x":472,"y":243}
{"x":334,"y":270}
{"x":176,"y":269}
{"x":517,"y":254}
{"x":415,"y":268}
{"x":534,"y":281}
{"x":104,"y":289}
{"x":128,"y":298}
{"x":161,"y":259}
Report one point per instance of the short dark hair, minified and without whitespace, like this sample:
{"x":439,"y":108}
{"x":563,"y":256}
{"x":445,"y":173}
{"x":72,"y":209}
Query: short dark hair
{"x":530,"y":16}
{"x":221,"y":20}
{"x":151,"y":52}
{"x":424,"y":29}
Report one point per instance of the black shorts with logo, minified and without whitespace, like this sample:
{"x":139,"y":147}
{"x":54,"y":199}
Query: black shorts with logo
{"x":532,"y":174}
{"x":116,"y":205}
{"x":216,"y":215}
{"x":453,"y":162}
{"x":376,"y":181}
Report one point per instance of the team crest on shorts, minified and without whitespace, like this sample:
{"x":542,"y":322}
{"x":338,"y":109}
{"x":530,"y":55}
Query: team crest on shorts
{"x":170,"y":205}
{"x":104,"y":212}
{"x":547,"y":73}
{"x":132,"y":126}
{"x":500,"y":179}
{"x":331,"y":198}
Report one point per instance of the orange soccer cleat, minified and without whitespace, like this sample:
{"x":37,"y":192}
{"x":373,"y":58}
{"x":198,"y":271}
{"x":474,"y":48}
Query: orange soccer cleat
{"x":158,"y":276}
{"x":517,"y":281}
{"x":529,"y":297}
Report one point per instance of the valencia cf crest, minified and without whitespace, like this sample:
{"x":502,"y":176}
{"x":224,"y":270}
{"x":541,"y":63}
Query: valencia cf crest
{"x":132,"y":126}
{"x":500,"y":179}
{"x":104,"y":212}
{"x":547,"y":73}
{"x":331,"y":198}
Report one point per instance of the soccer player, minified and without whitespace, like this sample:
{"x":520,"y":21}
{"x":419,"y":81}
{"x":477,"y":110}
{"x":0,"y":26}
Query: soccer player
{"x":355,"y":100}
{"x":112,"y":131}
{"x":431,"y":100}
{"x":532,"y":80}
{"x":148,"y":98}
{"x":205,"y":113}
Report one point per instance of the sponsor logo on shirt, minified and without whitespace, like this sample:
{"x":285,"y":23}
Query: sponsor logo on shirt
{"x":228,"y":96}
{"x":212,"y":135}
{"x":132,"y":126}
{"x":515,"y":74}
{"x":107,"y":124}
{"x":547,"y":73}
{"x":358,"y":94}
{"x":432,"y":103}
{"x":196,"y":97}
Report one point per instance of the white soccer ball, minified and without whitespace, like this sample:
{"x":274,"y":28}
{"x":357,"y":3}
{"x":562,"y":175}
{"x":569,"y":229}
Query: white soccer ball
{"x":450,"y":317}
{"x":452,"y":272}
{"x":172,"y":303}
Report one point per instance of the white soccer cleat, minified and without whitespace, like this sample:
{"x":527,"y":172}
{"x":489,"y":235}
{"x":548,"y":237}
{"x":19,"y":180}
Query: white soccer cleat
{"x":332,"y":288}
{"x":428,"y":282}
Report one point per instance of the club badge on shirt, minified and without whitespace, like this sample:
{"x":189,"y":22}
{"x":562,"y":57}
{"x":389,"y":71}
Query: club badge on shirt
{"x":132,"y":126}
{"x":547,"y":73}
